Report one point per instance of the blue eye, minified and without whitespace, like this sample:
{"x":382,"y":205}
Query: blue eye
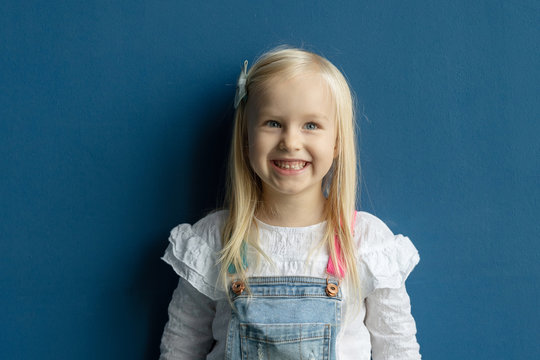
{"x":311,"y":126}
{"x":273,"y":123}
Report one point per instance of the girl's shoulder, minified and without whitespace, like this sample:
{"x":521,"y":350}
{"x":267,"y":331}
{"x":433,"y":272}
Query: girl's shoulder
{"x":193,"y":252}
{"x":208,"y":229}
{"x":367,"y":224}
{"x":385,"y":259}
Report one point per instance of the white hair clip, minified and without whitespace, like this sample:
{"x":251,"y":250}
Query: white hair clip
{"x":241,"y":85}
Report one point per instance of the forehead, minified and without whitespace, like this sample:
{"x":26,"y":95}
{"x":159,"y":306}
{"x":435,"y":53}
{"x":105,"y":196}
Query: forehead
{"x":292,"y":96}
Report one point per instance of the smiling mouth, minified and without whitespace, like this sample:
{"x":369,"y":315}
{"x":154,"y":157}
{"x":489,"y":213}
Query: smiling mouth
{"x":290,"y":165}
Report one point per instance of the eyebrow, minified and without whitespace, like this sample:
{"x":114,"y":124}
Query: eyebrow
{"x":310,"y":116}
{"x":316,"y":116}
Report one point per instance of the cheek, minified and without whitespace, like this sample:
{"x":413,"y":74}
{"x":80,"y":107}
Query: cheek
{"x":252,"y":158}
{"x":259,"y":144}
{"x":327,"y":151}
{"x":251,"y":143}
{"x":254,"y":152}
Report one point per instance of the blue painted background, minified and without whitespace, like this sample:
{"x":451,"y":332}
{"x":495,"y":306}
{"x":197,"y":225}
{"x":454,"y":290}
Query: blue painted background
{"x":114,"y":118}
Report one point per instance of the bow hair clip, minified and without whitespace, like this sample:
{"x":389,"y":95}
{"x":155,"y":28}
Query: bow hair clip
{"x":241,"y":85}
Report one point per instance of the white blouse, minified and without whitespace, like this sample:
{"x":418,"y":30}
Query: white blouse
{"x":199,"y":312}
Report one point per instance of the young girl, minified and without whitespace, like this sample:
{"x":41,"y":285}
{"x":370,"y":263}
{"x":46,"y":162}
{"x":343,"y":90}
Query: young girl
{"x":290,"y":270}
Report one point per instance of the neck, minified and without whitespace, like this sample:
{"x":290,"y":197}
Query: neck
{"x":292,"y":210}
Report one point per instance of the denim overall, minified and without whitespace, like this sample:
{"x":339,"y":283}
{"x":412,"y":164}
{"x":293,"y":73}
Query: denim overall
{"x":288,"y":317}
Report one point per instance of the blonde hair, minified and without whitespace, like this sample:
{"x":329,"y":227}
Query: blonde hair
{"x":244,"y":188}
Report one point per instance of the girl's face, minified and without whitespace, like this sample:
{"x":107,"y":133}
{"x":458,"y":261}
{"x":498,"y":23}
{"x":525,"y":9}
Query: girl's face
{"x":292,"y":135}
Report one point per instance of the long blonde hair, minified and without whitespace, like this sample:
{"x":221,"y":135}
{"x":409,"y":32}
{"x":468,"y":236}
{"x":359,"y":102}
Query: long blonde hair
{"x":244,"y":188}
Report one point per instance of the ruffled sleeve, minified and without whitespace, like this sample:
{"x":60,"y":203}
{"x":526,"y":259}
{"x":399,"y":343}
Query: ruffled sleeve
{"x":193,"y":253}
{"x":386,"y":260}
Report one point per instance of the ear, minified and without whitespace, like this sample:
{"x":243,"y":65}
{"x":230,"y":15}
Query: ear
{"x":336,"y":149}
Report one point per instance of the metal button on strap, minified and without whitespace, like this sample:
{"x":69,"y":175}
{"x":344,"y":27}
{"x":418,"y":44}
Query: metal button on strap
{"x":238,"y":287}
{"x":331,"y":289}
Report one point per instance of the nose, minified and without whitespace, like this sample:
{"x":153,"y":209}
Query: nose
{"x":291,"y":140}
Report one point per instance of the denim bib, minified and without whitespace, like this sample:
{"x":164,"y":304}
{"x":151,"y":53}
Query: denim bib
{"x":286,"y":317}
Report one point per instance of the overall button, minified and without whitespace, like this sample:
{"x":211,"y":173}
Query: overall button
{"x":238,"y":287}
{"x":331,"y":289}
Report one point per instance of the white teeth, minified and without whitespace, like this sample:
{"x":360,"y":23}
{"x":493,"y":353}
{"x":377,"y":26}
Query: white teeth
{"x":295,"y":165}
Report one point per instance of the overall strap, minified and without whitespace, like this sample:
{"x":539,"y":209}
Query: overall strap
{"x":331,"y":268}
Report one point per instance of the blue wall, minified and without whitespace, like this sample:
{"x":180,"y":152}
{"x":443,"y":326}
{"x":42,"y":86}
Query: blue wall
{"x":113,"y":123}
